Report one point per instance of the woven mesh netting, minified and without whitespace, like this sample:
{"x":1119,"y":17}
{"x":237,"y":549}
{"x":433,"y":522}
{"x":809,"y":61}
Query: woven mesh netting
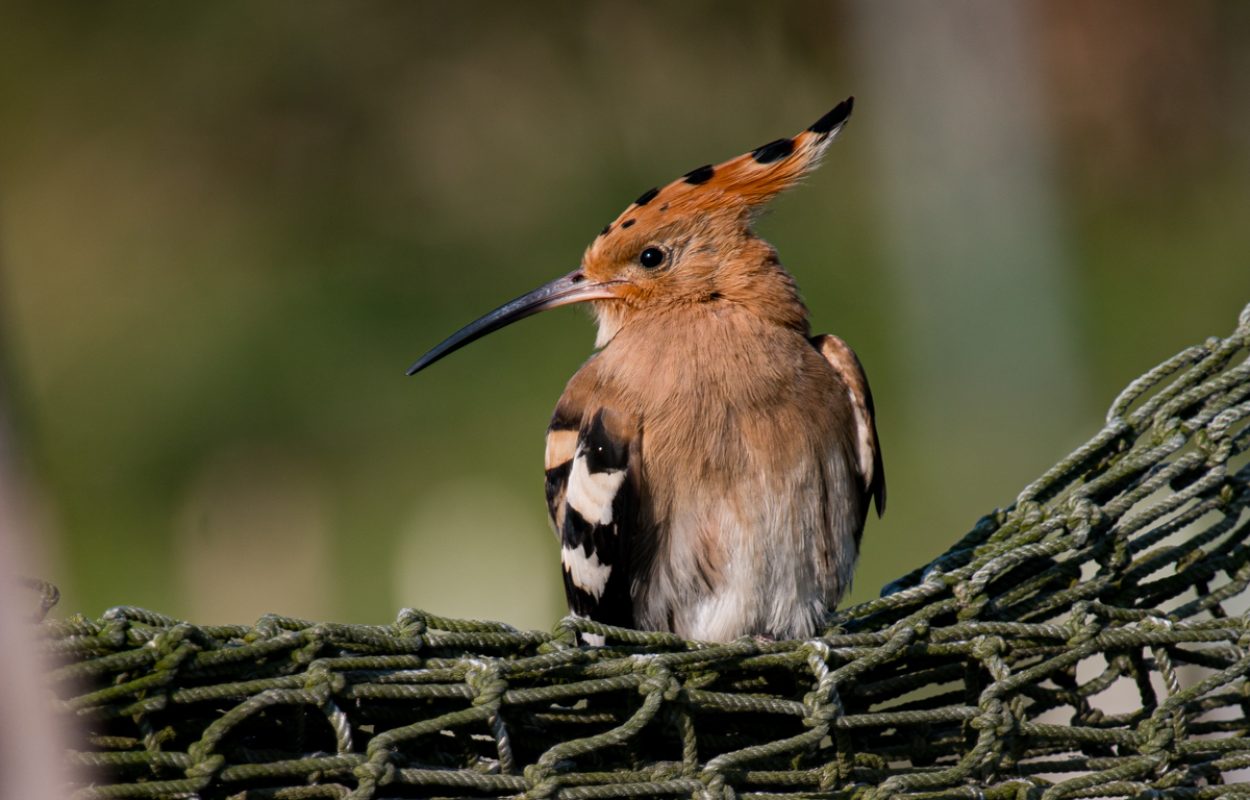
{"x":1085,"y":642}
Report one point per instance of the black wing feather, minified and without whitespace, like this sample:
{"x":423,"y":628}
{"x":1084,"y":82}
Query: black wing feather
{"x":595,"y":541}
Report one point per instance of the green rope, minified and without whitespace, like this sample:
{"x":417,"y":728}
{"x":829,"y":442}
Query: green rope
{"x":982,"y":675}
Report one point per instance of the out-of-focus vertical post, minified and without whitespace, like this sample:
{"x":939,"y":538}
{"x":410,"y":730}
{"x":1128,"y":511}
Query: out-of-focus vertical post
{"x":955,"y":116}
{"x":31,"y":751}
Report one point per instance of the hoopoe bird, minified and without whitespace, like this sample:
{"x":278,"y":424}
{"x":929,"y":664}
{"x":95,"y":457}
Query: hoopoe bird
{"x":709,"y":468}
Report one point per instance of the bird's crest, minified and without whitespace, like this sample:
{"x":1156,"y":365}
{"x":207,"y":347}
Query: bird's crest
{"x":739,"y":186}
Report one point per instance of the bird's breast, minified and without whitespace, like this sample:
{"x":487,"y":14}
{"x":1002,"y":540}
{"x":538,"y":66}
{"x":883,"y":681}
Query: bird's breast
{"x":743,"y":448}
{"x":722,"y":395}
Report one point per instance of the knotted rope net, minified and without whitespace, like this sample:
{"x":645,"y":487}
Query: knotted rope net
{"x":1083,"y":642}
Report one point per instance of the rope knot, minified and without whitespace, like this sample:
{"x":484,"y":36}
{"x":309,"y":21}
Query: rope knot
{"x":988,"y":647}
{"x":113,"y":634}
{"x":566,"y":631}
{"x":411,"y":622}
{"x":323,"y":681}
{"x":377,"y":771}
{"x":487,"y":682}
{"x":818,"y":654}
{"x":714,"y":785}
{"x":167,"y":641}
{"x":659,"y":678}
{"x":820,"y":712}
{"x":1028,"y":513}
{"x":994,"y":718}
{"x":1082,"y":625}
{"x":831,"y":775}
{"x":173,"y":646}
{"x":206,"y":767}
{"x":1157,"y":738}
{"x":541,"y":781}
{"x":315,"y":638}
{"x":1153,"y":623}
{"x":199,"y":752}
{"x":1243,"y":642}
{"x":1083,"y":516}
{"x":916,"y":631}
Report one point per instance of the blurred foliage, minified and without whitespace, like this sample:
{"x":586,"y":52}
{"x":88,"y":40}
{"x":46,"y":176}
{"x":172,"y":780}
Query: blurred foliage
{"x":226,"y":229}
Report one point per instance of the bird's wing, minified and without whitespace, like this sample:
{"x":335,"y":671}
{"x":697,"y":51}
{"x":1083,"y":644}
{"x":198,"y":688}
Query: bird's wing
{"x":867,"y":447}
{"x":592,"y":496}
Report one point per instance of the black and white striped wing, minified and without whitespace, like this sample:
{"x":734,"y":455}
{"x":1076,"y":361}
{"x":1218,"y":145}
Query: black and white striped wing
{"x":593,"y":501}
{"x":867,"y":447}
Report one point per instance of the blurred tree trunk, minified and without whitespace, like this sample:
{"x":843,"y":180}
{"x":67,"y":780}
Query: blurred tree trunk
{"x":974,"y":237}
{"x":30,"y":747}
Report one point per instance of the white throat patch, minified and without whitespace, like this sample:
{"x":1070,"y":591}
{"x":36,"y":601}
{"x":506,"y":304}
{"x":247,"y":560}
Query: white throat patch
{"x":609,"y":323}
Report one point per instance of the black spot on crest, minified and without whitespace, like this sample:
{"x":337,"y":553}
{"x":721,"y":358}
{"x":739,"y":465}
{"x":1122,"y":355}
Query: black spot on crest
{"x":605,"y":230}
{"x":664,"y":208}
{"x":646,"y":197}
{"x":700,"y":175}
{"x":834,"y":118}
{"x":773,"y":151}
{"x":627,"y":223}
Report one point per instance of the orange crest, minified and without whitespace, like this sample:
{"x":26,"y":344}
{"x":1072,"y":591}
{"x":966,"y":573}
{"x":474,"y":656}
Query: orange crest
{"x":736,"y":187}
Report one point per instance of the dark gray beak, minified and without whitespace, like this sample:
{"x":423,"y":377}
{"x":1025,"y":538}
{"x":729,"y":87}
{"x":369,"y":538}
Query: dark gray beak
{"x":572,"y":288}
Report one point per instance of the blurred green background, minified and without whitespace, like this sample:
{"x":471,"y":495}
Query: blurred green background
{"x":226,"y":229}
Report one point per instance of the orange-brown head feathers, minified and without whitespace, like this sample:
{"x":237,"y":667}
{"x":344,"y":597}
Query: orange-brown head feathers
{"x":684,"y":245}
{"x":691,"y":240}
{"x":732,"y":190}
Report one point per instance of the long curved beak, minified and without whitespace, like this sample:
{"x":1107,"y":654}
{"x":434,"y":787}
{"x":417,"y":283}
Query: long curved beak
{"x":572,"y":288}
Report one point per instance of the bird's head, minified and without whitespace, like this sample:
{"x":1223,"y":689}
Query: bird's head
{"x":684,"y":244}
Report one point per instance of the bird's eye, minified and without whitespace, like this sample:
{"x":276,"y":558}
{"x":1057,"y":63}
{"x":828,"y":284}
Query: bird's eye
{"x":651,"y":258}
